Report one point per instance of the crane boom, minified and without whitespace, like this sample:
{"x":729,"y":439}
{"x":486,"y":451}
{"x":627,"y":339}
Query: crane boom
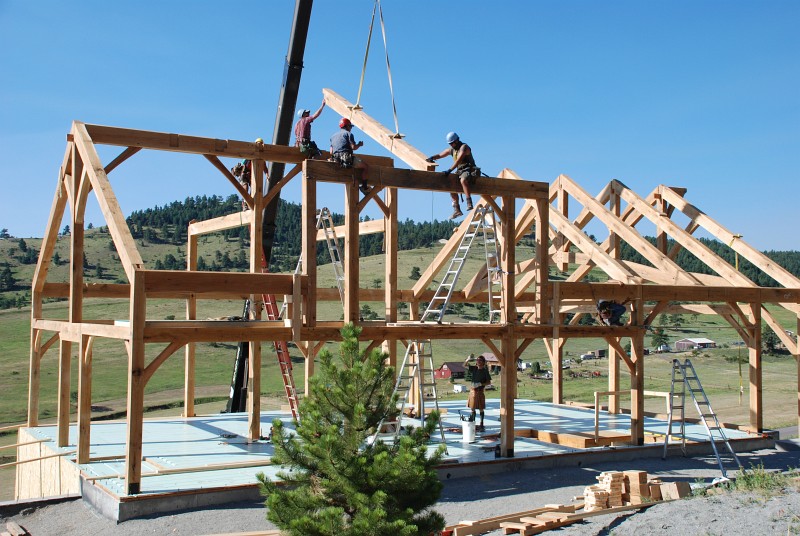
{"x":287,"y":102}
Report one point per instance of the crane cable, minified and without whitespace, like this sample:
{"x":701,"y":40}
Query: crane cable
{"x":377,"y":6}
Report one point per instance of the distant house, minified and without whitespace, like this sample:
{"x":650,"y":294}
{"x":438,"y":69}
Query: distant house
{"x":492,"y":363}
{"x":694,"y":344}
{"x":450,"y":369}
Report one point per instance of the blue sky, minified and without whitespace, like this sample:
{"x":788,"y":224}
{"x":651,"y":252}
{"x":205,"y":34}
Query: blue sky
{"x":700,"y":94}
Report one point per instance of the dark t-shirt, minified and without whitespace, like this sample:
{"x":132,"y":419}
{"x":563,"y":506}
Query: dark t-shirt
{"x":342,"y":142}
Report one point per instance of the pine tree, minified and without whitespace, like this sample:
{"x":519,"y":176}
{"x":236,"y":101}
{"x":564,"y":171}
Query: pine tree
{"x":338,"y":483}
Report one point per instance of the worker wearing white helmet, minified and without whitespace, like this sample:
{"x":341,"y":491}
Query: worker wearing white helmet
{"x":302,"y":131}
{"x":463,"y":165}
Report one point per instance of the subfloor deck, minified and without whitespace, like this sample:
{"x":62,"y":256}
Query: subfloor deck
{"x":190,"y":462}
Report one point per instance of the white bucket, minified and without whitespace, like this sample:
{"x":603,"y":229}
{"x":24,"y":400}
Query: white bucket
{"x":468,"y":431}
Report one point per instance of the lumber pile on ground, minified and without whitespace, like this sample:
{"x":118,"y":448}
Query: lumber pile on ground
{"x":615,"y":491}
{"x":12,"y":529}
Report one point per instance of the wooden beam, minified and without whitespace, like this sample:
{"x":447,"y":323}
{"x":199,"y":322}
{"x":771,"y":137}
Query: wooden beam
{"x":109,"y":206}
{"x":229,"y":221}
{"x":410,"y":179}
{"x":181,"y":143}
{"x":375,"y":130}
{"x":231,"y":179}
{"x":364,"y":228}
{"x":233,"y":283}
{"x":735,"y":242}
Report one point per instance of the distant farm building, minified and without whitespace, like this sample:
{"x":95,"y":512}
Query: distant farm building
{"x":492,"y":363}
{"x":450,"y":370}
{"x":694,"y":344}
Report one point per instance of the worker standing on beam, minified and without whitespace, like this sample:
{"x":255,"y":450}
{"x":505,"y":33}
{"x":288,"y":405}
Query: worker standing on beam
{"x":302,"y":132}
{"x":463,"y":165}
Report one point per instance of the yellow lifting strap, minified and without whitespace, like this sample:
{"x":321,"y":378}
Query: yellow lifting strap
{"x":377,"y":6}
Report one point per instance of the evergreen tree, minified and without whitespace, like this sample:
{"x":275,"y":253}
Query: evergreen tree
{"x":7,"y":280}
{"x":415,"y":274}
{"x":769,"y":340}
{"x":4,"y":233}
{"x":338,"y":483}
{"x":659,"y":337}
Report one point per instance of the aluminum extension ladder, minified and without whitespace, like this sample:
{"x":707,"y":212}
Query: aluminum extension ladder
{"x":483,"y":222}
{"x":415,"y":377}
{"x":684,"y":378}
{"x":325,"y":222}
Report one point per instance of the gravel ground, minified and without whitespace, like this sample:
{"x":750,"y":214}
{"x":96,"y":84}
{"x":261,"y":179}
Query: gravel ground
{"x":492,"y":495}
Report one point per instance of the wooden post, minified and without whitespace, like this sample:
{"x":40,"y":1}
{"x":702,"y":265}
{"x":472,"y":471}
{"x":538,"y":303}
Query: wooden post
{"x":390,"y":274}
{"x":637,"y":374}
{"x":542,"y":260}
{"x":614,"y":405}
{"x":351,"y":272}
{"x":136,"y":384}
{"x":191,"y":314}
{"x":557,"y":349}
{"x":508,"y":377}
{"x":309,"y":244}
{"x":84,"y":398}
{"x":756,"y":398}
{"x":256,"y":256}
{"x":797,"y":358}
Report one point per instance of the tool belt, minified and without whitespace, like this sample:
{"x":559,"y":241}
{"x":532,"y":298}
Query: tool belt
{"x":472,"y":172}
{"x":344,"y":159}
{"x":309,"y":148}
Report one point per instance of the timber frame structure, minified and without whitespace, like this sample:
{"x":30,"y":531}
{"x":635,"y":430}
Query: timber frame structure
{"x":534,"y":307}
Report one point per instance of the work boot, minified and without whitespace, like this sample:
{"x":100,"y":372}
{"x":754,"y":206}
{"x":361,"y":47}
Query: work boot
{"x":364,"y":188}
{"x":456,"y":212}
{"x":469,"y":203}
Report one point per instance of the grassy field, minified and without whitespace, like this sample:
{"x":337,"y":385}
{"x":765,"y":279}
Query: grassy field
{"x":215,"y":361}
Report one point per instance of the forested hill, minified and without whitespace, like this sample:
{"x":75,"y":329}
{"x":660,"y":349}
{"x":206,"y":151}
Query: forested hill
{"x":161,"y":233}
{"x":169,"y":224}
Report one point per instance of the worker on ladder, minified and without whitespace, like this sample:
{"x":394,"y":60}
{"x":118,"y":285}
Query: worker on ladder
{"x":463,"y":165}
{"x":480,"y":378}
{"x":302,"y":132}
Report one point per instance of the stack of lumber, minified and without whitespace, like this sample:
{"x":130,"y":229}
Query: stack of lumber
{"x":12,"y":529}
{"x":595,"y":498}
{"x":637,"y":488}
{"x":613,"y":483}
{"x":614,"y":492}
